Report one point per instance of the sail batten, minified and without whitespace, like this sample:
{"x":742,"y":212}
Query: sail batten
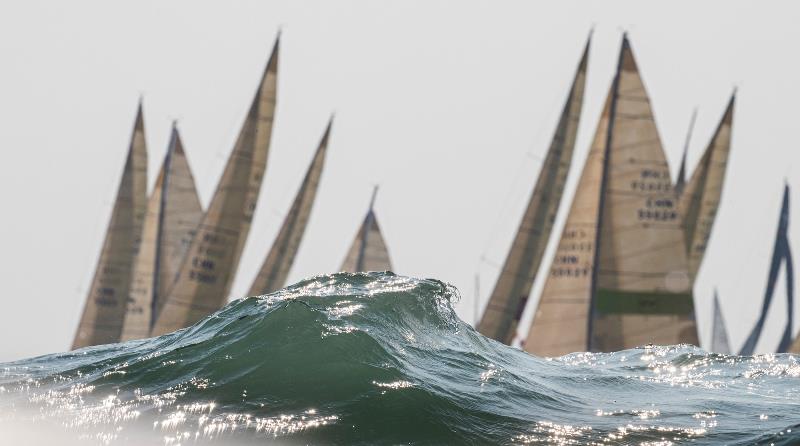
{"x":173,"y":213}
{"x":206,"y":274}
{"x":275,"y":269}
{"x":507,"y":301}
{"x":104,"y":309}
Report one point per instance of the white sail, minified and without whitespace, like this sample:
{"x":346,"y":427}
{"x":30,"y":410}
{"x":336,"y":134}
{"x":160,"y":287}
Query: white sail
{"x":719,"y":334}
{"x":206,"y":274}
{"x":700,"y":200}
{"x":368,"y":251}
{"x":275,"y":269}
{"x":620,"y":275}
{"x":104,"y":310}
{"x":173,"y":213}
{"x":513,"y":287}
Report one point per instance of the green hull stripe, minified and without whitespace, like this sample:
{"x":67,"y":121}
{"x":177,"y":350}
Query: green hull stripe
{"x":632,"y":302}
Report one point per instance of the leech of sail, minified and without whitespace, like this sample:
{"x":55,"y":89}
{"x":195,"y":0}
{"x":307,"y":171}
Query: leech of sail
{"x":104,"y":309}
{"x":273,"y":273}
{"x":514,"y":284}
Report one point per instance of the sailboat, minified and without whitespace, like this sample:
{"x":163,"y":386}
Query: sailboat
{"x":513,"y":287}
{"x":680,"y":182}
{"x":104,"y":309}
{"x":700,"y":198}
{"x":173,"y":213}
{"x":368,"y":251}
{"x":719,"y":334}
{"x":275,"y":269}
{"x":620,"y":276}
{"x":206,"y":274}
{"x":781,"y":257}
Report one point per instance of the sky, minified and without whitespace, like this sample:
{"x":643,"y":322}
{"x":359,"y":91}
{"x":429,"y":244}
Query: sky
{"x":448,"y":105}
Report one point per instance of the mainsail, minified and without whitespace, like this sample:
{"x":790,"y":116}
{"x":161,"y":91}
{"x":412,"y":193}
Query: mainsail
{"x":173,"y":213}
{"x":513,"y":287}
{"x":781,"y":256}
{"x":620,"y":276}
{"x":699,"y":202}
{"x":368,"y":251}
{"x":206,"y":274}
{"x":719,"y":334}
{"x":273,"y":273}
{"x":104,"y":310}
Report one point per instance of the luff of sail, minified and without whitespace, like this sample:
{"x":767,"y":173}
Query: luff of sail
{"x":273,"y":273}
{"x":560,"y":324}
{"x":502,"y":313}
{"x":700,"y":200}
{"x":781,"y":256}
{"x":206,"y":274}
{"x":643,"y":290}
{"x":173,"y":213}
{"x":104,"y":310}
{"x":368,"y":251}
{"x":719,"y":334}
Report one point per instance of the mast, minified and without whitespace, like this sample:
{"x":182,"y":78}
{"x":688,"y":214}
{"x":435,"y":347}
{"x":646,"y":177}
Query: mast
{"x":104,"y":310}
{"x":275,"y":269}
{"x":510,"y":295}
{"x":203,"y":283}
{"x":681,"y":180}
{"x":781,"y":255}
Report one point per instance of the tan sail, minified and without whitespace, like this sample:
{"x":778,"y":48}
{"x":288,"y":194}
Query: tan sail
{"x":680,"y":182}
{"x":273,"y":273}
{"x":513,"y":287}
{"x":699,"y":202}
{"x":104,"y":310}
{"x":206,"y":274}
{"x":620,"y":274}
{"x":368,"y":251}
{"x":560,"y":322}
{"x":643,"y":290}
{"x":173,"y":213}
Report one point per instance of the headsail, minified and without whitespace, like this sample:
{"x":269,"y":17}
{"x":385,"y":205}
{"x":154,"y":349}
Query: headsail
{"x":680,"y":182}
{"x":620,"y":276}
{"x":273,"y":273}
{"x":207,"y":272}
{"x":701,"y":197}
{"x":104,"y":310}
{"x":173,"y":213}
{"x":513,"y":287}
{"x":719,"y":334}
{"x":781,"y":256}
{"x":368,"y":251}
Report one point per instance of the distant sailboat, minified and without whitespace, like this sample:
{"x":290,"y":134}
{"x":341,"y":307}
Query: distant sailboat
{"x":173,"y":213}
{"x":700,"y":200}
{"x":781,"y":256}
{"x":205,"y":277}
{"x":104,"y":310}
{"x":619,"y":277}
{"x":719,"y":334}
{"x":513,"y":287}
{"x":273,"y":273}
{"x":368,"y":251}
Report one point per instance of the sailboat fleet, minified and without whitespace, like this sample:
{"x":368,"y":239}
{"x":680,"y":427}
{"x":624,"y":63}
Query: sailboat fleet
{"x":622,"y":274}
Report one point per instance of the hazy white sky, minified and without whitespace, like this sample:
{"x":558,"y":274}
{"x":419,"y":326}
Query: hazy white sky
{"x":449,"y":105}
